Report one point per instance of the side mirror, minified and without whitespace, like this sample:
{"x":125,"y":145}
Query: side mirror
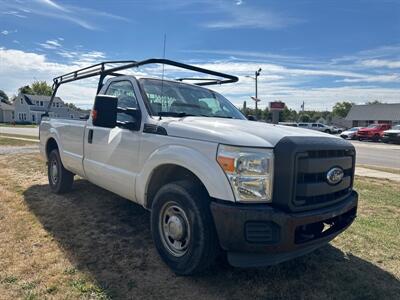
{"x":251,"y":118}
{"x":104,"y":112}
{"x":129,"y":118}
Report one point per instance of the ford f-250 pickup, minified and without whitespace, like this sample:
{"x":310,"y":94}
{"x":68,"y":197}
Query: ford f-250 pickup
{"x":215,"y":183}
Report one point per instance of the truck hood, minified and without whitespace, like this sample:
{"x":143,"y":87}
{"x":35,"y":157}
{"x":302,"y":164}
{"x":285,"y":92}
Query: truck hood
{"x":367,"y":129}
{"x":233,"y":131}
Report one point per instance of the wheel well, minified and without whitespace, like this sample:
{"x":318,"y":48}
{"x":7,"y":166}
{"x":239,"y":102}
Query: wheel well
{"x":50,"y":146}
{"x":166,"y":174}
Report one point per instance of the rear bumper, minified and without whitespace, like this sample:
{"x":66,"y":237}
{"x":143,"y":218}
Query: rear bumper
{"x":260,"y":235}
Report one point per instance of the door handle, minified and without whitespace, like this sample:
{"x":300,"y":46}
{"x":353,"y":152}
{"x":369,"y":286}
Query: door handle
{"x":90,"y":136}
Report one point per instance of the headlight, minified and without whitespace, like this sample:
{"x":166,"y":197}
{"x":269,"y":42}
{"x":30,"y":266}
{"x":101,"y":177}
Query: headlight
{"x":249,"y":170}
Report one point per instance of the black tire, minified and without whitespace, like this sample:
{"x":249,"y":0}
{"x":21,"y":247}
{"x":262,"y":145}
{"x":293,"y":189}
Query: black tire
{"x":327,"y":131}
{"x":60,"y":182}
{"x":201,"y":241}
{"x":376,"y":138}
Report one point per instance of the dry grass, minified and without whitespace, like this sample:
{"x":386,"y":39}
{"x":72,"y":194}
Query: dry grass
{"x":383,"y":169}
{"x":91,"y":244}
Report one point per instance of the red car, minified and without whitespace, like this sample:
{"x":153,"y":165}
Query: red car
{"x":372,"y":132}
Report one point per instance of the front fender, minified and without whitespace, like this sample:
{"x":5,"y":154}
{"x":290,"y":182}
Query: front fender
{"x":206,"y":169}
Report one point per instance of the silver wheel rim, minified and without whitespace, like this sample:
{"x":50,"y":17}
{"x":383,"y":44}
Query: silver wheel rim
{"x":54,"y":171}
{"x":174,"y":229}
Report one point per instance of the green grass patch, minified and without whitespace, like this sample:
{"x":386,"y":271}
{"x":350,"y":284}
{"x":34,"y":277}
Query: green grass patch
{"x":6,"y":141}
{"x":87,"y":288}
{"x":23,"y":136}
{"x":18,"y":125}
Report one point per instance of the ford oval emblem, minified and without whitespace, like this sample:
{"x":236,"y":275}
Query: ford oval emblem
{"x":334,"y":175}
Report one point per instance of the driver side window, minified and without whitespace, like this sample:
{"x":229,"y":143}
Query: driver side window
{"x":125,"y":93}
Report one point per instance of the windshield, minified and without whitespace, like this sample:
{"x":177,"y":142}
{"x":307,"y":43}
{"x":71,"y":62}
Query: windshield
{"x":354,"y":129}
{"x":373,"y":126}
{"x":397,"y":127}
{"x":178,"y":99}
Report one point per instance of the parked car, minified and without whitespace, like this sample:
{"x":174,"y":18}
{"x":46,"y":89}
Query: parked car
{"x":317,"y":126}
{"x":350,"y":133}
{"x":337,"y":130}
{"x":213,"y":181}
{"x":372,"y":132}
{"x":392,"y":135}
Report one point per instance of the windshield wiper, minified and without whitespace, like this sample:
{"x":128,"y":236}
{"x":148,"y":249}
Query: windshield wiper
{"x":178,"y":114}
{"x":225,"y":117}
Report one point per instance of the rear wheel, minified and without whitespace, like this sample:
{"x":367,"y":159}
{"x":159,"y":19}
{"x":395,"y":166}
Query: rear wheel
{"x":376,"y":138}
{"x":60,"y":179}
{"x":327,"y":131}
{"x":183,"y":229}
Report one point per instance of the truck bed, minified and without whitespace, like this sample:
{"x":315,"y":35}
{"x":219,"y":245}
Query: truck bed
{"x":71,"y":135}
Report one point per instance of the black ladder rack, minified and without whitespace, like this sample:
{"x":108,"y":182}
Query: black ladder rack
{"x":112,"y":68}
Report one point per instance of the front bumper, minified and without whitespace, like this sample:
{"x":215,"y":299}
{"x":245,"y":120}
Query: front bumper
{"x":348,"y":136}
{"x":260,"y":235}
{"x":395,"y":139}
{"x":365,"y":136}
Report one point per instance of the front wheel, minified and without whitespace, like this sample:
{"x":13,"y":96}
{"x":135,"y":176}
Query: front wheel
{"x":183,"y":229}
{"x":60,"y":179}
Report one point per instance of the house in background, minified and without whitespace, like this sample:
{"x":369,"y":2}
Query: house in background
{"x":30,"y":108}
{"x":363,"y":115}
{"x":6,"y":113}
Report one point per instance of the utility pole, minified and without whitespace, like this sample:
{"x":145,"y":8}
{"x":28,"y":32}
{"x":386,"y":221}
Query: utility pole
{"x":256,"y":100}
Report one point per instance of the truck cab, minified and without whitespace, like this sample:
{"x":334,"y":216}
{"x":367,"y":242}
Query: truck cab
{"x":214,"y":182}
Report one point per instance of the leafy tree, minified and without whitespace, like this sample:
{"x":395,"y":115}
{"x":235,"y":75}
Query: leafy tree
{"x":288,"y":115}
{"x":41,"y":88}
{"x":341,"y":109}
{"x":26,"y":89}
{"x":74,"y":107}
{"x":3,"y":96}
{"x":304,"y":117}
{"x":37,"y":88}
{"x":374,"y":102}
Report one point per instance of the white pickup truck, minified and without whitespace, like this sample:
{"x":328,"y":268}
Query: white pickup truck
{"x":215,"y":183}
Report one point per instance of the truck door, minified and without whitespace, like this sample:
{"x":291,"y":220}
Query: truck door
{"x":111,"y":154}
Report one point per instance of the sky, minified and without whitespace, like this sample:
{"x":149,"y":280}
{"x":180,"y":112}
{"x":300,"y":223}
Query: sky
{"x":319,"y":52}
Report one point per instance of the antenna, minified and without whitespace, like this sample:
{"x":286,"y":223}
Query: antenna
{"x":163,"y":68}
{"x":163,"y":65}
